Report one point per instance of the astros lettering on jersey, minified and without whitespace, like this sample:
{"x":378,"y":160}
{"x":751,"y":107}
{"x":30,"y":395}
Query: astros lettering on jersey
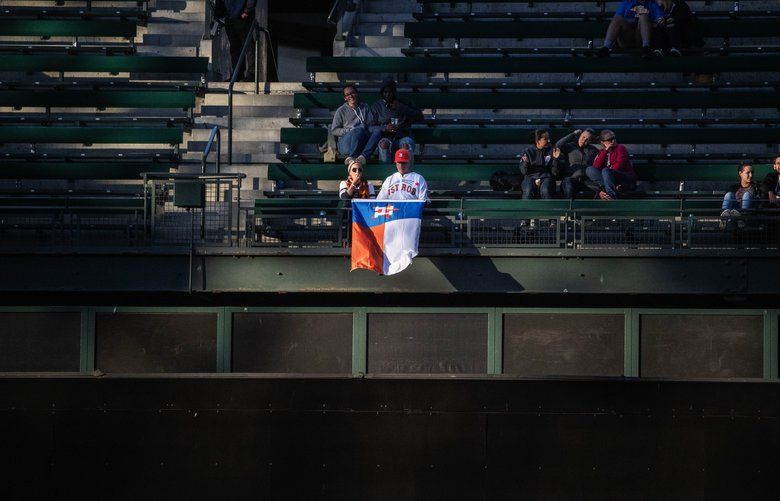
{"x":411,"y":186}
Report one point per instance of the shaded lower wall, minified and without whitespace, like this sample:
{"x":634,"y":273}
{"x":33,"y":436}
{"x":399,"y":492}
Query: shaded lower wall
{"x":342,"y":438}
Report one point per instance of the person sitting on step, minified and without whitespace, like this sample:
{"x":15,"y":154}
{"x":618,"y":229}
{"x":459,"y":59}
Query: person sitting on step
{"x":632,"y":26}
{"x":350,"y":127}
{"x":536,"y":166}
{"x":394,"y":116}
{"x":739,"y":199}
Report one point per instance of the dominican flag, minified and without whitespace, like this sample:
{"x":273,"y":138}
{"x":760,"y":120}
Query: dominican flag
{"x":385,"y":234}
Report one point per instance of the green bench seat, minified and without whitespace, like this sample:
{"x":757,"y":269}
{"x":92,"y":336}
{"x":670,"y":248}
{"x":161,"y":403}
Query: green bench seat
{"x":21,"y":169}
{"x":560,"y":100}
{"x":111,"y":64}
{"x":482,"y":172}
{"x":567,"y":64}
{"x":588,"y":29}
{"x":98,"y":99}
{"x":68,"y":28}
{"x":518,"y":135}
{"x":90,"y":135}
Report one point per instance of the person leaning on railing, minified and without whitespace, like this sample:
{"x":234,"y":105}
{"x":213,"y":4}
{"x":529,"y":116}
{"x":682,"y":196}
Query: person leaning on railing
{"x":612,"y":170}
{"x":770,"y":186}
{"x":355,"y":186}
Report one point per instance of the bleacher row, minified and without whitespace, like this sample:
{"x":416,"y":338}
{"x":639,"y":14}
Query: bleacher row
{"x":487,"y":73}
{"x":79,"y":104}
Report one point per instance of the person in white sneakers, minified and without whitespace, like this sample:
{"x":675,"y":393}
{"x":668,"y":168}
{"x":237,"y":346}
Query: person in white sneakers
{"x":404,"y":184}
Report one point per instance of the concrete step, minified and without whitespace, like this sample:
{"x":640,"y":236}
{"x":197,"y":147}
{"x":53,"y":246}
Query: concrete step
{"x":249,"y":111}
{"x":378,"y":42}
{"x":242,"y":123}
{"x":168,"y":51}
{"x":172,"y":40}
{"x":396,"y":6}
{"x":239,"y":135}
{"x":265,"y":87}
{"x":180,"y":5}
{"x":395,"y":29}
{"x":214,"y":99}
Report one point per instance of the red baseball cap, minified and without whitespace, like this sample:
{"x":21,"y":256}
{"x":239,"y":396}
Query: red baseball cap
{"x":402,"y":155}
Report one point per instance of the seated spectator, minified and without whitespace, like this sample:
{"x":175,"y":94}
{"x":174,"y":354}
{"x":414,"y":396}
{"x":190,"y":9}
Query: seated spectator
{"x":612,"y":170}
{"x":394,"y":117}
{"x":677,"y":30}
{"x":404,"y":184}
{"x":350,"y":127}
{"x":577,"y":153}
{"x":770,"y":186}
{"x":632,"y":26}
{"x":536,"y":166}
{"x":355,"y":186}
{"x":741,"y":194}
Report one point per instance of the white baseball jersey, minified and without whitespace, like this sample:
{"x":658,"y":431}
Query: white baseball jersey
{"x":410,"y":186}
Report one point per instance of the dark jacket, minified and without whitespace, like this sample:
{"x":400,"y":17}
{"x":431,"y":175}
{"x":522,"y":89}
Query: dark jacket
{"x":572,"y":155}
{"x":235,"y":8}
{"x":407,"y":113}
{"x":538,"y":164}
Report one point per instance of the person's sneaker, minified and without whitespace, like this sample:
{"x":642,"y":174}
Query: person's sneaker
{"x":647,"y":53}
{"x":735,"y":213}
{"x":603,"y":51}
{"x":675,"y":52}
{"x":725,"y":213}
{"x":658,"y":53}
{"x":604,"y":195}
{"x":348,"y":161}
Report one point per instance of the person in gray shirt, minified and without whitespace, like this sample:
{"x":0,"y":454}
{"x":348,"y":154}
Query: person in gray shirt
{"x":351,"y":127}
{"x":577,"y":153}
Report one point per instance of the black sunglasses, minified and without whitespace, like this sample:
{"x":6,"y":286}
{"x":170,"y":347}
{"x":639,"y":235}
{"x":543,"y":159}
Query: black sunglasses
{"x":357,"y":170}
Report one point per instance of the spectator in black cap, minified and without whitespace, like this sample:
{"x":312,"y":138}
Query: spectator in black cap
{"x":239,"y":15}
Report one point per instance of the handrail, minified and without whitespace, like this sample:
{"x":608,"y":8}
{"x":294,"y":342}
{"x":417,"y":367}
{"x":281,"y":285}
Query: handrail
{"x":214,"y":133}
{"x":251,"y":36}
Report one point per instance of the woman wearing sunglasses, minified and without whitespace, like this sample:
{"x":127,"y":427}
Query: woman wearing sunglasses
{"x":355,"y":186}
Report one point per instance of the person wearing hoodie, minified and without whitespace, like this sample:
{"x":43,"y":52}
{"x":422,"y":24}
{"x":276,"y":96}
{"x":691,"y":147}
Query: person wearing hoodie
{"x":577,"y":153}
{"x":239,"y":15}
{"x":394,"y":116}
{"x":536,"y":166}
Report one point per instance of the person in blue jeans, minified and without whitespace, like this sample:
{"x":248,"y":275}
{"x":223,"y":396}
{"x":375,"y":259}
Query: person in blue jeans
{"x":535,"y":165}
{"x":739,"y":199}
{"x":393,"y":117}
{"x":351,"y":127}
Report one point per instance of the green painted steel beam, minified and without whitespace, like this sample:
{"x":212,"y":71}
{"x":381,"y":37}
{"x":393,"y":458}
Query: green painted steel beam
{"x":359,"y":341}
{"x":91,"y":135}
{"x":515,"y":135}
{"x":559,"y":100}
{"x":690,"y":64}
{"x":98,"y":98}
{"x":68,"y":28}
{"x":111,"y":64}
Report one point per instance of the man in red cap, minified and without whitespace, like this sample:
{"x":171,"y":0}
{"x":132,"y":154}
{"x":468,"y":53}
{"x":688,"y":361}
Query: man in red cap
{"x":404,"y":184}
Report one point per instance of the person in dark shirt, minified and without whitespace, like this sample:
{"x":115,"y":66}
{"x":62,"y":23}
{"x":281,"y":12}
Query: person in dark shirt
{"x":741,"y":194}
{"x":239,"y":15}
{"x":577,"y":153}
{"x":536,"y":166}
{"x":394,"y":117}
{"x":677,"y":31}
{"x":770,"y":186}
